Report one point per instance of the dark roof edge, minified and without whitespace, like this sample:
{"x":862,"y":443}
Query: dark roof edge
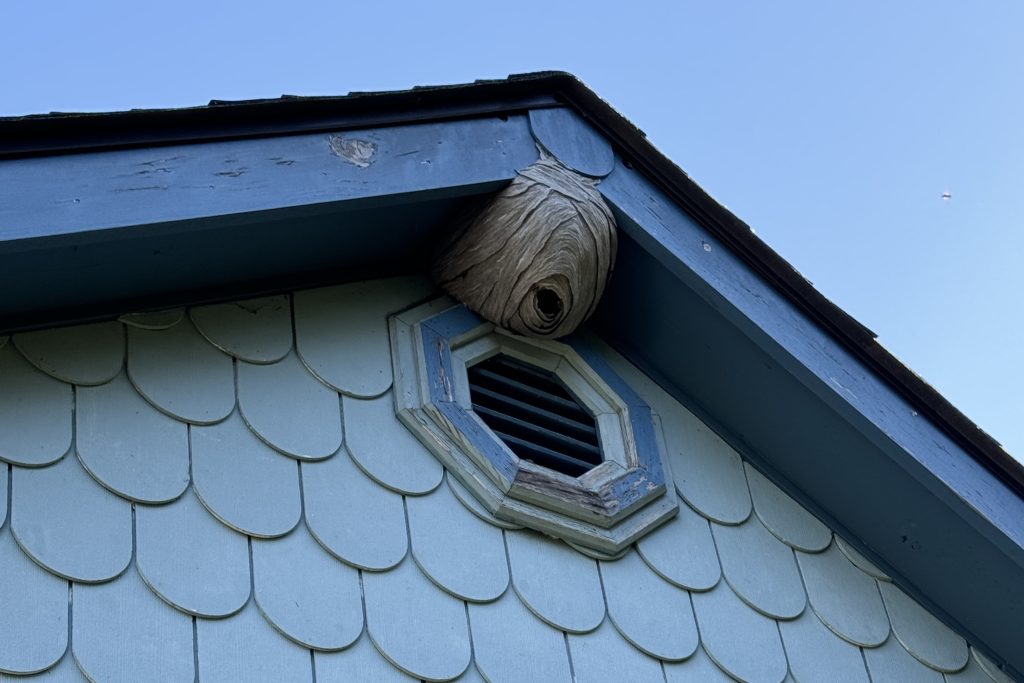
{"x":70,"y":133}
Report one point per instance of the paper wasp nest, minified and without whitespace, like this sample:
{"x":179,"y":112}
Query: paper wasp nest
{"x":536,"y":259}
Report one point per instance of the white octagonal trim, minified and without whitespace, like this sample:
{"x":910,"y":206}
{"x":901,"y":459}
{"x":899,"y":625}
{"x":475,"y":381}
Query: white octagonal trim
{"x":604,"y":509}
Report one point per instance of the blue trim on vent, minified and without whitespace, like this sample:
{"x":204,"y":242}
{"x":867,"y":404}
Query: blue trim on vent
{"x":481,"y":437}
{"x":453,"y":322}
{"x":631,"y":489}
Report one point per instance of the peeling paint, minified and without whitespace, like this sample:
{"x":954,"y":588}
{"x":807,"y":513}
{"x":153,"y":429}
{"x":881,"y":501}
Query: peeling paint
{"x":355,"y":151}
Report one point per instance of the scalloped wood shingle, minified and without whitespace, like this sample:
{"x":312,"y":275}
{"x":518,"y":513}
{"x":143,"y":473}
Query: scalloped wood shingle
{"x":84,"y":532}
{"x":649,"y":612}
{"x":760,"y":568}
{"x":190,"y":559}
{"x":35,"y":412}
{"x":536,"y":651}
{"x":247,"y":648}
{"x":307,"y":574}
{"x":34,"y":613}
{"x":289,"y":410}
{"x":458,"y":551}
{"x":243,"y":482}
{"x":128,"y":445}
{"x":357,"y":520}
{"x":109,"y":615}
{"x":254,"y":330}
{"x":305,"y":593}
{"x":558,"y":584}
{"x":86,"y":355}
{"x":415,"y":624}
{"x":181,"y":373}
{"x":844,"y":598}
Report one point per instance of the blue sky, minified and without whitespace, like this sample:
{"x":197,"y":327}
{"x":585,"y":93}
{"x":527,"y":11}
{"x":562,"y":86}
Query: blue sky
{"x":832,"y":128}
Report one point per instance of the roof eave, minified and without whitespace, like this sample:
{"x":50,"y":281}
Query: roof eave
{"x":31,"y":136}
{"x":214,"y":205}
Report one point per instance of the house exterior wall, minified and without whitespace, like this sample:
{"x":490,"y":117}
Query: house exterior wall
{"x":226,"y":493}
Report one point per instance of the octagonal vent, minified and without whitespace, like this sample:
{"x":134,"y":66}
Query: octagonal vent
{"x":541,"y":433}
{"x":535,"y":415}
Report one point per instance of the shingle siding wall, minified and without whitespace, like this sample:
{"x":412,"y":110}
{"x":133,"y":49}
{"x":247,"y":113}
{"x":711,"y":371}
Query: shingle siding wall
{"x":226,"y":492}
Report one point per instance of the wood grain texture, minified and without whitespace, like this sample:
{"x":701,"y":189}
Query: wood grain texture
{"x":455,"y":549}
{"x":890,"y":663}
{"x":341,"y":332}
{"x":305,"y":593}
{"x":109,"y":615}
{"x":242,"y":481}
{"x":697,"y":669}
{"x":84,"y":532}
{"x":785,"y":517}
{"x":82,"y":354}
{"x":682,"y":551}
{"x":254,"y":330}
{"x":35,"y":412}
{"x":288,"y":409}
{"x":360,"y":662}
{"x":512,"y":645}
{"x":708,"y":472}
{"x":556,"y":583}
{"x":181,"y":373}
{"x":246,"y":648}
{"x":145,"y":186}
{"x":472,"y":504}
{"x":383,"y":448}
{"x":128,"y":445}
{"x":554,"y":490}
{"x":649,"y":612}
{"x":471,"y":675}
{"x":536,"y":259}
{"x":603,"y":656}
{"x":416,"y":625}
{"x":33,"y":612}
{"x":191,"y":560}
{"x":357,"y":520}
{"x":760,"y":569}
{"x":921,"y":633}
{"x":762,"y":361}
{"x":65,"y":671}
{"x":816,"y":654}
{"x":743,"y":642}
{"x":844,"y":598}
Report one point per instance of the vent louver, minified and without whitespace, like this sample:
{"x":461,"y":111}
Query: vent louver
{"x":535,"y":415}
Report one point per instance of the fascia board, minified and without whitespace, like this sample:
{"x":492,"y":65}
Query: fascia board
{"x":946,"y":527}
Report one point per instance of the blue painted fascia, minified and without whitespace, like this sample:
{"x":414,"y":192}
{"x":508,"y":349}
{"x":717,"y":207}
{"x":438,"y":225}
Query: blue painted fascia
{"x":86,"y":235}
{"x":813,"y":416}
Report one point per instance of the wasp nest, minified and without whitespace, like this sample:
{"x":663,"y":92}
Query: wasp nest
{"x":536,"y":259}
